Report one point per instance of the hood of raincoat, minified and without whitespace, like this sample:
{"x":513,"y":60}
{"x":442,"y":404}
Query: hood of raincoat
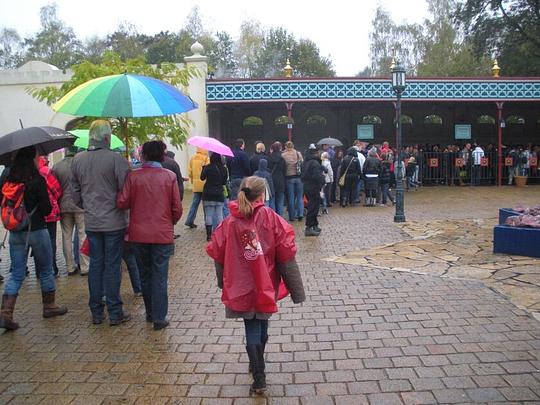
{"x":263,"y":165}
{"x":249,"y":249}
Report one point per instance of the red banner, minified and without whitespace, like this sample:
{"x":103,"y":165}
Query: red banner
{"x":433,"y":162}
{"x":484,"y":161}
{"x":460,"y":162}
{"x":508,"y":161}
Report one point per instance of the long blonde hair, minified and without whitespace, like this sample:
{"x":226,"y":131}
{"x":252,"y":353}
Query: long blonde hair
{"x":251,"y":189}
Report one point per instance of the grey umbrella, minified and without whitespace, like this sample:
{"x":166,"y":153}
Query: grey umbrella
{"x":46,"y":140}
{"x":329,"y":141}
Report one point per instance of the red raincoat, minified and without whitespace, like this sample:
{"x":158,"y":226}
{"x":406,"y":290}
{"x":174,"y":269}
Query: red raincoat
{"x":249,"y":249}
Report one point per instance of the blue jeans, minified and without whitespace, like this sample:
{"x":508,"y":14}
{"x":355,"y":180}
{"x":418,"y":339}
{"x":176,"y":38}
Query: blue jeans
{"x":295,"y":191}
{"x":104,"y":271}
{"x":256,"y":331}
{"x":213,"y":213}
{"x":153,"y":261}
{"x":133,"y":268}
{"x":279,"y":201}
{"x":40,"y":242}
{"x":385,"y":193}
{"x":193,"y":209}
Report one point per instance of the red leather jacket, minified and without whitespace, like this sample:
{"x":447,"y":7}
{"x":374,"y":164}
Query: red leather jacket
{"x":151,"y":194}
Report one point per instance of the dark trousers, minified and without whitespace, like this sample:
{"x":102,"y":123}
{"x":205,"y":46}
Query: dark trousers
{"x":153,"y":262}
{"x":133,"y":269}
{"x":51,"y":228}
{"x":235,"y":186}
{"x":256,"y":331}
{"x":314,"y":202}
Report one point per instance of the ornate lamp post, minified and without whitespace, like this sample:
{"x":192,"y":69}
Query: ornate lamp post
{"x":398,"y":85}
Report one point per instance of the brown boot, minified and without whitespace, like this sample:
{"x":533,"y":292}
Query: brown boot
{"x":50,"y":308}
{"x":6,"y":313}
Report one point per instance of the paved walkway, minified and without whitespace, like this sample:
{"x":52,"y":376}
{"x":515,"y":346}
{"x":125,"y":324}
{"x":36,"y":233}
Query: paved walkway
{"x":364,"y":335}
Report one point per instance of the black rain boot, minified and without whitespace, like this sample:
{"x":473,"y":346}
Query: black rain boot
{"x":208,"y":233}
{"x":256,"y":359}
{"x":263,"y":345}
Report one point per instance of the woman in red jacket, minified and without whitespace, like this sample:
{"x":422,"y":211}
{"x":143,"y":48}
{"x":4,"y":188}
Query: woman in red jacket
{"x":254,"y":252}
{"x":151,"y":223}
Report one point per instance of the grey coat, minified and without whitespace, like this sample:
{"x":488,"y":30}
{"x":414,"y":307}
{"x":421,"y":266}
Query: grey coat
{"x":98,"y":175}
{"x":289,"y":272}
{"x":62,"y":171}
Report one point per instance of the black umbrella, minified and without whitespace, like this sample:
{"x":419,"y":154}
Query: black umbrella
{"x":45,"y":139}
{"x":329,"y":141}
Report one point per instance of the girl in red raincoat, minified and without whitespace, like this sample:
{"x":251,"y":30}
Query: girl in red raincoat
{"x":254,"y":253}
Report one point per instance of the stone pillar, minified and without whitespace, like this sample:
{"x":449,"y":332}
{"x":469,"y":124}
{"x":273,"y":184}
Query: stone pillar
{"x":197,"y":91}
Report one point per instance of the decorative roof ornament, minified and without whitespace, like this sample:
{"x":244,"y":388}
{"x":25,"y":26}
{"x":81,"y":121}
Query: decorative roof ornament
{"x":288,"y":70}
{"x":495,"y":70}
{"x":197,"y":49}
{"x":393,"y":64}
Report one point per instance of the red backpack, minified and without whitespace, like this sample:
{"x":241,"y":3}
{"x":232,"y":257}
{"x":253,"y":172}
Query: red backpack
{"x":14,"y":214}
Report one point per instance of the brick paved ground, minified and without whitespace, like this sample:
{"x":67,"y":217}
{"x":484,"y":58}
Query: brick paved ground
{"x":364,"y":335}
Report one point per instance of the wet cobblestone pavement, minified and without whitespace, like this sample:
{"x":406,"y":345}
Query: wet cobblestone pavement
{"x":364,"y":335}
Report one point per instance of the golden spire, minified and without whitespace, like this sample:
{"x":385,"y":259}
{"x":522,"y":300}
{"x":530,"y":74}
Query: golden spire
{"x":288,"y":70}
{"x":393,"y":64}
{"x":495,"y":69}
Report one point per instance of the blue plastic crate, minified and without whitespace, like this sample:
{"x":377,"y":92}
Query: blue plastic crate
{"x":516,"y":241}
{"x":505,"y":213}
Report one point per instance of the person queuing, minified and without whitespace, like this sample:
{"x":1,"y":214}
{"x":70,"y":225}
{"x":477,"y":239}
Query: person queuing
{"x":313,"y":180}
{"x":238,"y":167}
{"x":260,"y":153}
{"x":263,"y":173}
{"x":254,"y":251}
{"x":295,"y":189}
{"x":328,"y":181}
{"x":213,"y":196}
{"x":151,"y":223}
{"x":371,"y":169}
{"x":349,"y":177}
{"x":55,"y":192}
{"x":98,"y":175}
{"x":71,"y":215}
{"x":195,"y":166}
{"x":278,"y":168}
{"x":25,"y":188}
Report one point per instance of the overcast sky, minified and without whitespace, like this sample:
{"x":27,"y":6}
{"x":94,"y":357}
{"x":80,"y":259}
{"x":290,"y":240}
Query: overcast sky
{"x":340,"y":28}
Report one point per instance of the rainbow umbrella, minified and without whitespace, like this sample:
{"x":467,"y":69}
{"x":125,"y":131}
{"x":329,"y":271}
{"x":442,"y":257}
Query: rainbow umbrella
{"x":83,"y":139}
{"x":124,"y":96}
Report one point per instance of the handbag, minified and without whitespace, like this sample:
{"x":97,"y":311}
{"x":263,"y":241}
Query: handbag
{"x":341,"y":181}
{"x":298,"y":165}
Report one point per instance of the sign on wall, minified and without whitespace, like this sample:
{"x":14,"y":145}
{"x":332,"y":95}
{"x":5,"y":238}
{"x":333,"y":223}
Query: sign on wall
{"x":364,"y":131}
{"x":462,"y":131}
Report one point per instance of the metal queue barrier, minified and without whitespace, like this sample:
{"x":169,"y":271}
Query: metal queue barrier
{"x":450,"y":168}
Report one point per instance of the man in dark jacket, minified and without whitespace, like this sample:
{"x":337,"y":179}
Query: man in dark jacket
{"x":170,"y":164}
{"x":313,"y":179}
{"x":278,"y":168}
{"x":238,"y":166}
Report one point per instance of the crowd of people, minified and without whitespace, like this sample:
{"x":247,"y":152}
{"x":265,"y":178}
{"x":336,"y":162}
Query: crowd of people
{"x":299,"y":185}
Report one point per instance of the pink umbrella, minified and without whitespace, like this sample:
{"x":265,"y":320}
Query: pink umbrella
{"x":210,"y":144}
